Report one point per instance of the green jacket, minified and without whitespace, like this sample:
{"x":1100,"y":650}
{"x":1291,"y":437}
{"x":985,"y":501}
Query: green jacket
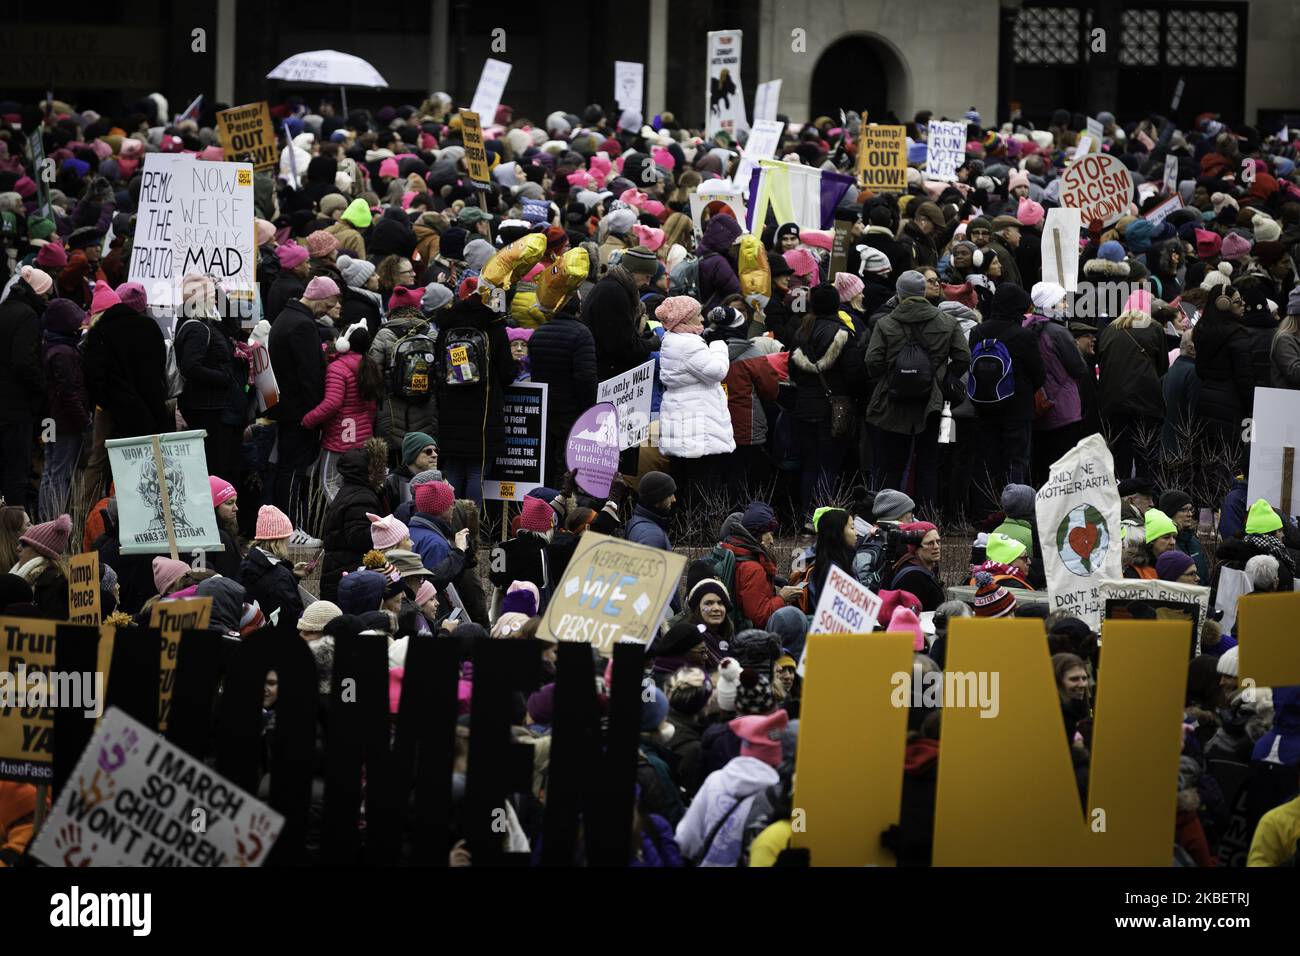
{"x":949,"y":354}
{"x":1190,"y":545}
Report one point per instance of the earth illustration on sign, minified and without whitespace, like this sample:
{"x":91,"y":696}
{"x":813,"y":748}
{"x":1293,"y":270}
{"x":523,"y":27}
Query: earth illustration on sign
{"x":1082,"y":540}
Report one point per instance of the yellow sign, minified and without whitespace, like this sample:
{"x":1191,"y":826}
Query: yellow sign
{"x":508,"y":490}
{"x":172,"y":617}
{"x":1266,"y":627}
{"x":83,"y":589}
{"x":247,"y":136}
{"x":475,"y":155}
{"x":459,"y":355}
{"x":26,"y":732}
{"x":882,"y":158}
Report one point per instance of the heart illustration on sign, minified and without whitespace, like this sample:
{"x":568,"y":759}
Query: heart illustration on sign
{"x":1084,"y":539}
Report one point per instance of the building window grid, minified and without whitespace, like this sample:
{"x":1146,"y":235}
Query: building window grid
{"x":1140,"y":38}
{"x":1048,"y":35}
{"x":1060,"y":36}
{"x":1202,"y":38}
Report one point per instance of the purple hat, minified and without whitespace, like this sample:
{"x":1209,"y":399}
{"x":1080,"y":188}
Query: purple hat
{"x":1172,"y":565}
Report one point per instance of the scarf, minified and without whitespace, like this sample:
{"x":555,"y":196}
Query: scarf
{"x":1274,"y":546}
{"x":372,"y":296}
{"x":30,"y":571}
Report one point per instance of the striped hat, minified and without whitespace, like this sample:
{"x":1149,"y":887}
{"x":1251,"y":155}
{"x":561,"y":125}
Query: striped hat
{"x":991,"y":598}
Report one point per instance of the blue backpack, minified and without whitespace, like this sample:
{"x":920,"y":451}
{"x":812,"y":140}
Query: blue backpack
{"x":992,"y":377}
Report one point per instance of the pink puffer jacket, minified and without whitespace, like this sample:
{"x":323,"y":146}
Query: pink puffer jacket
{"x":346,"y":420}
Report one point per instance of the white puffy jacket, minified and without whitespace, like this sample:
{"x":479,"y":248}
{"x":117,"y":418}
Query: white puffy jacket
{"x":693,"y":416}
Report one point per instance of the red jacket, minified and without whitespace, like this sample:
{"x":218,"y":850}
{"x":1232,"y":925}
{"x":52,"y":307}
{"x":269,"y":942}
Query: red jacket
{"x":755,"y":580}
{"x":345,"y":418}
{"x":750,"y":381}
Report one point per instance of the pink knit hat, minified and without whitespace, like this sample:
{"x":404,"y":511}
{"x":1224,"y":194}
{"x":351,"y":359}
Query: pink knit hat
{"x":133,"y":295}
{"x":1030,"y":213}
{"x":537,"y":515}
{"x":321,"y":287}
{"x":847,"y":285}
{"x":388,"y":168}
{"x":677,"y":311}
{"x":39,"y":280}
{"x":104,"y":298}
{"x":648,"y":236}
{"x":760,"y":735}
{"x":291,"y":255}
{"x":51,"y":537}
{"x":387,"y":532}
{"x":222,"y":490}
{"x":52,"y":255}
{"x":272,"y":524}
{"x":434,"y":497}
{"x":264,"y":231}
{"x":802,"y":262}
{"x":403,"y":296}
{"x":166,"y":572}
{"x":1017,"y":178}
{"x":426,"y":593}
{"x":1235,"y":246}
{"x":903,"y":619}
{"x":321,"y":243}
{"x":1207,"y":243}
{"x":1139,"y":300}
{"x":817,"y":238}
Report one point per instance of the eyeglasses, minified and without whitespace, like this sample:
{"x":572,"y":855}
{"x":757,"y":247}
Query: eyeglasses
{"x":430,"y":451}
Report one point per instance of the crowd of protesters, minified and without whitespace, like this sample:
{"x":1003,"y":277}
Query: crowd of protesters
{"x":925,"y":385}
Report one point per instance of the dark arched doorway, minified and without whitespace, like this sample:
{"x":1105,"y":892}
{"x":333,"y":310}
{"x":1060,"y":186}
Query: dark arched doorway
{"x":857,"y":72}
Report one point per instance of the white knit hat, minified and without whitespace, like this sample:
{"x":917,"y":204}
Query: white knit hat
{"x":728,"y":683}
{"x":1228,"y":662}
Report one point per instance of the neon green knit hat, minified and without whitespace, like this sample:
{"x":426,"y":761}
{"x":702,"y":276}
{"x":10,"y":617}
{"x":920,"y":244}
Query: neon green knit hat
{"x":358,"y":213}
{"x":1261,"y":519}
{"x":1158,"y":524}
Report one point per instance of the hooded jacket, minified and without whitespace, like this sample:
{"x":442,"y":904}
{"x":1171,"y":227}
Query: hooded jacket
{"x":727,"y":794}
{"x":472,"y":417}
{"x":562,"y":353}
{"x":124,"y":356}
{"x":693,"y":418}
{"x":949,"y":355}
{"x":823,"y":354}
{"x":750,"y":383}
{"x":648,"y":527}
{"x":69,"y":403}
{"x":1004,"y":324}
{"x":718,"y":278}
{"x":397,"y":416}
{"x":272,"y":584}
{"x":227,"y":603}
{"x":346,"y":530}
{"x":206,"y":359}
{"x":755,"y":584}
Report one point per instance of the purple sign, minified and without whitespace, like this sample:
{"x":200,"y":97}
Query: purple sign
{"x":593,"y":449}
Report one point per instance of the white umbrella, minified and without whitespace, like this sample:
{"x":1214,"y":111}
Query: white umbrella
{"x":331,"y":68}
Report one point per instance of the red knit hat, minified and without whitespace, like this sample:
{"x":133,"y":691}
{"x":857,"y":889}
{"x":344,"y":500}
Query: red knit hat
{"x":760,"y":735}
{"x":991,"y":598}
{"x":538,"y":515}
{"x":434,"y":497}
{"x":272,"y":524}
{"x":49,"y":538}
{"x":403,"y":296}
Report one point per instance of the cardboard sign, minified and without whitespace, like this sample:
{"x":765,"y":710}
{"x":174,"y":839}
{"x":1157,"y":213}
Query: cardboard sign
{"x":194,"y":218}
{"x":1078,"y":515}
{"x":491,"y":85}
{"x":1170,"y":183}
{"x":164,"y":500}
{"x":629,"y":85}
{"x":945,"y":149}
{"x":593,"y":448}
{"x":1273,"y":444}
{"x":268,"y":389}
{"x":766,"y":99}
{"x":844,"y":607}
{"x":172,"y":617}
{"x":612,"y":590}
{"x":632,"y":393}
{"x":248,"y":136}
{"x":518,"y":470}
{"x":1060,"y":248}
{"x":135,"y":800}
{"x":1095,"y":130}
{"x":1161,"y":212}
{"x":762,"y":144}
{"x":1099,"y":186}
{"x":475,"y":155}
{"x":83,"y":589}
{"x":699,"y":201}
{"x":882,"y":158}
{"x":1138,"y":599}
{"x":724,"y":98}
{"x":26,"y":733}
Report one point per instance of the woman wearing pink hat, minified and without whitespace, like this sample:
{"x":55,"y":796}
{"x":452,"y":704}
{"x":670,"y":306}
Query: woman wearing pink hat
{"x":267,"y":573}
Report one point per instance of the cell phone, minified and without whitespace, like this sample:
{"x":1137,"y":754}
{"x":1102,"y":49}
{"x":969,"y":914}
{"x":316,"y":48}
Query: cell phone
{"x":311,"y":565}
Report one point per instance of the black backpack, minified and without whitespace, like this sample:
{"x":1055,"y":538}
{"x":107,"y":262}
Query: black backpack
{"x":912,"y":377}
{"x":464,"y":356}
{"x":410,"y":370}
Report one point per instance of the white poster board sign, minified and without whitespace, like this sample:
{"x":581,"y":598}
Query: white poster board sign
{"x":1084,"y":147}
{"x":1165,"y":600}
{"x":765,"y":100}
{"x":134,"y":799}
{"x":1060,"y":248}
{"x":1095,"y":129}
{"x":1077,"y":510}
{"x":1276,"y":428}
{"x":945,"y":149}
{"x":724,"y":97}
{"x":1160,"y":213}
{"x":698,"y":202}
{"x":194,"y":217}
{"x":631,"y":393}
{"x":1099,"y":186}
{"x":629,"y":84}
{"x":491,"y":86}
{"x":763,"y":140}
{"x":1171,"y":174}
{"x":141,"y":515}
{"x":845,"y":606}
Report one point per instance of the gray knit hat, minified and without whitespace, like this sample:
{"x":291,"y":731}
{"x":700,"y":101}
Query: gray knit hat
{"x":891,"y":505}
{"x":910,"y":283}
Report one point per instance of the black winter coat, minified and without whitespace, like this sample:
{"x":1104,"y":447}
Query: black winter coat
{"x":124,"y":356}
{"x":1026,"y":363}
{"x":881,"y":238}
{"x":22,"y":387}
{"x":1226,"y":370}
{"x":206,"y":359}
{"x":346,"y":531}
{"x":1260,"y":330}
{"x":612,"y":312}
{"x":827,"y":349}
{"x":285,"y":287}
{"x":471,"y":417}
{"x":272,"y":585}
{"x":299,"y":363}
{"x":359,"y":308}
{"x":563,"y":356}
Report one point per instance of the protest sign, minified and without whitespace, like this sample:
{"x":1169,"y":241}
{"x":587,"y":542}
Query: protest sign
{"x":194,"y":217}
{"x":945,"y":149}
{"x":1060,"y":246}
{"x":766,"y":99}
{"x":630,"y":392}
{"x":83,"y":589}
{"x":629,"y":85}
{"x":475,"y":154}
{"x":593,"y":448}
{"x":1082,"y":148}
{"x":1079,"y":527}
{"x":26,"y":732}
{"x":840,"y":245}
{"x":613,"y":590}
{"x":725,"y":107}
{"x":36,"y":143}
{"x":518,"y":470}
{"x":164,"y":500}
{"x":171,"y":617}
{"x":699,"y":200}
{"x":268,"y":389}
{"x":491,"y":84}
{"x":136,"y":800}
{"x":1142,"y":599}
{"x":845,"y":607}
{"x":763,"y":141}
{"x":1160,"y":213}
{"x":1099,"y":185}
{"x":248,"y":136}
{"x":882,"y":157}
{"x":1095,"y":130}
{"x":1170,"y":183}
{"x":1274,"y":438}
